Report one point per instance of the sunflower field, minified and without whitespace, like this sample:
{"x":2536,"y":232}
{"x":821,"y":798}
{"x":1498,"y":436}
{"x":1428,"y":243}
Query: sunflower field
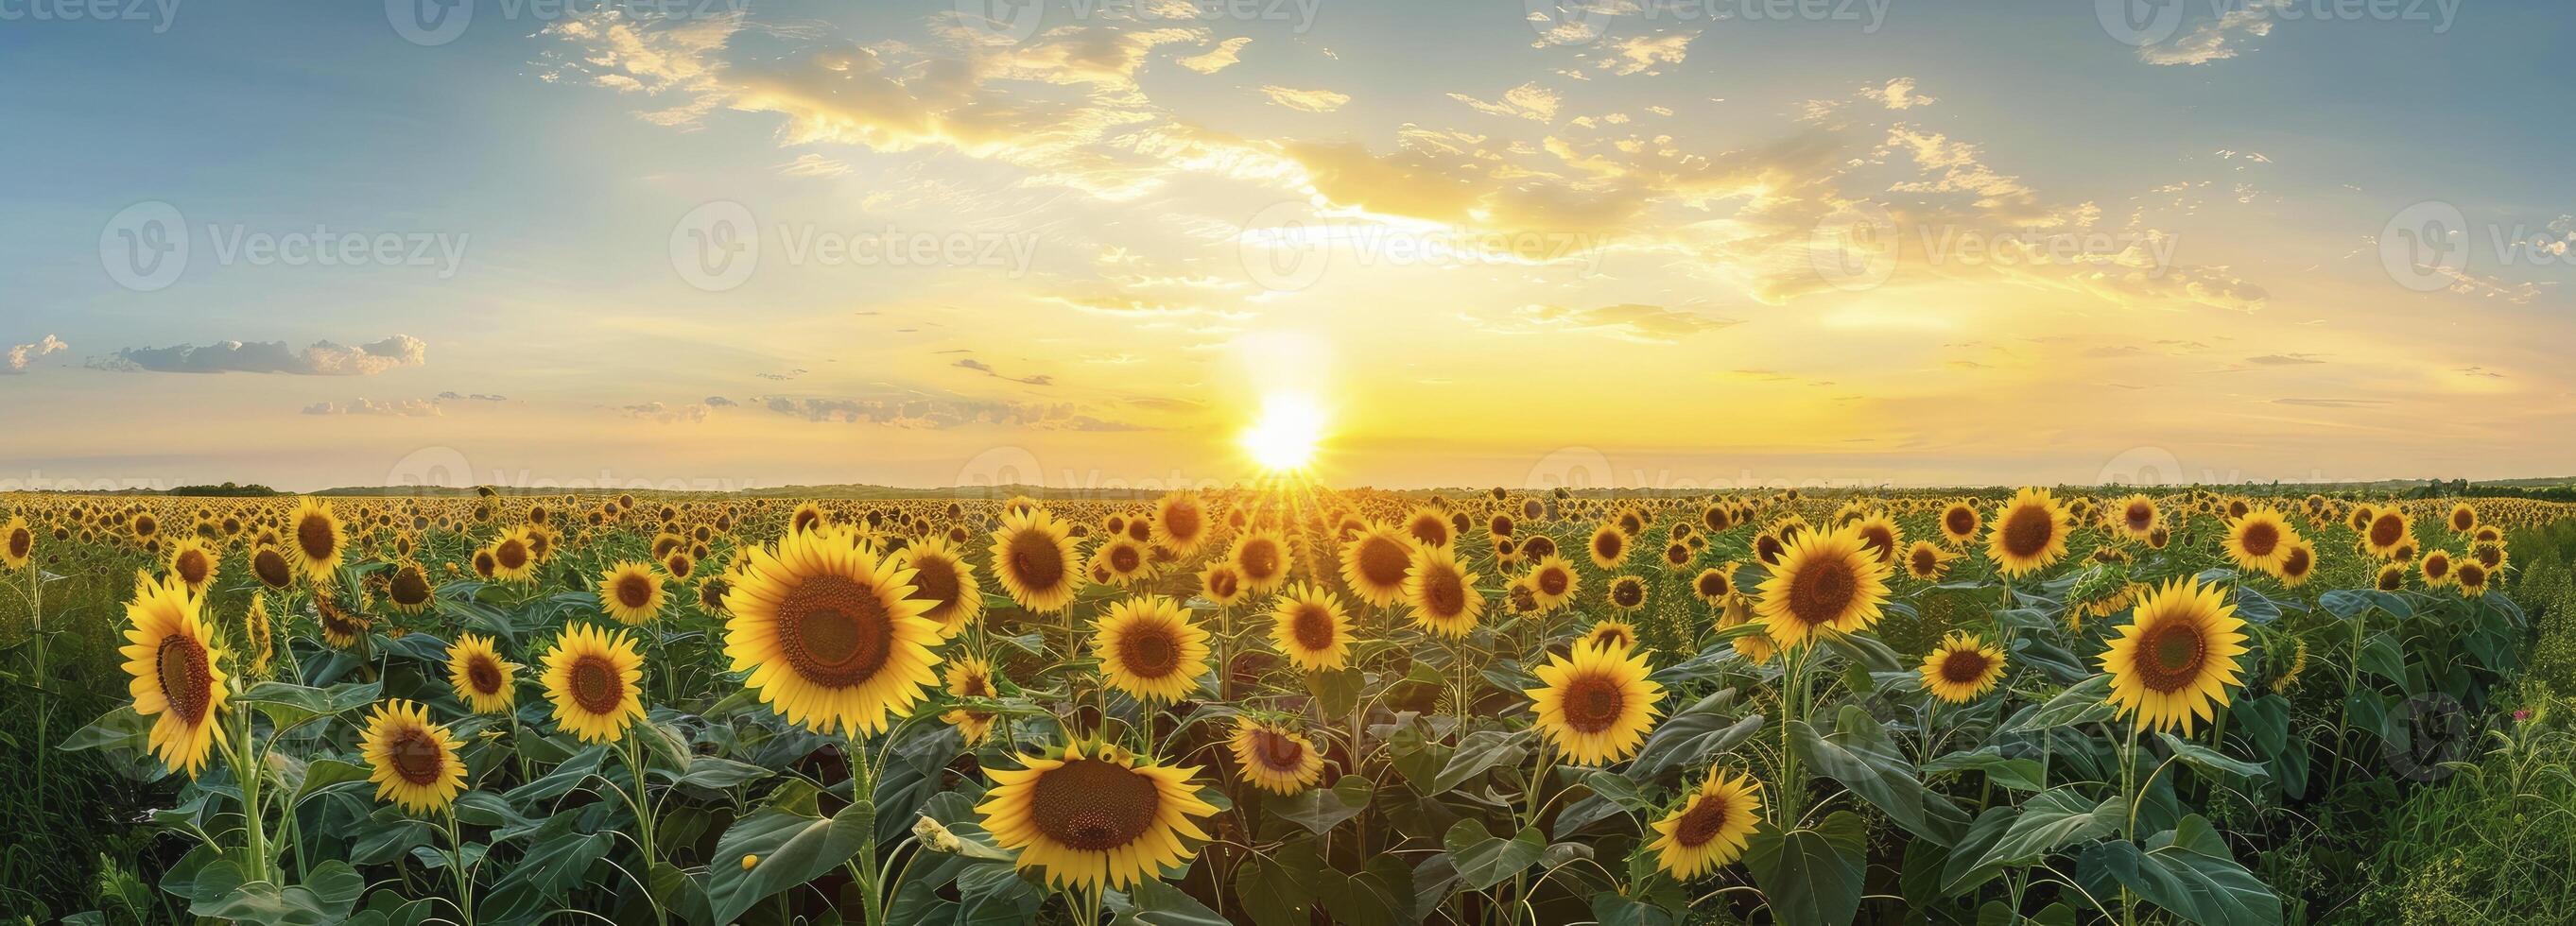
{"x":1273,"y":706}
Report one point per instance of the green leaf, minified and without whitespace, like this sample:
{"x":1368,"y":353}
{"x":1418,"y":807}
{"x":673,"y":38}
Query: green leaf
{"x":288,"y":704}
{"x":1321,"y":809}
{"x":329,"y":892}
{"x":2087,"y":701}
{"x":2053,"y":820}
{"x":1811,"y":875}
{"x":1479,"y":753}
{"x":1155,"y":903}
{"x":2383,"y":657}
{"x":2016,"y":774}
{"x":1693,"y":734}
{"x":1859,"y":754}
{"x":2209,"y":760}
{"x":792,"y":850}
{"x":2190,"y":873}
{"x":1485,"y":860}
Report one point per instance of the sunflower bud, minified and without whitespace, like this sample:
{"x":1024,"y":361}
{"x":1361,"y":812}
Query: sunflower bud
{"x":936,"y":837}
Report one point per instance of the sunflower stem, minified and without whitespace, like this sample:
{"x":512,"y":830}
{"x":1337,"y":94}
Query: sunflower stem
{"x":464,"y":879}
{"x":863,"y":790}
{"x":254,"y":815}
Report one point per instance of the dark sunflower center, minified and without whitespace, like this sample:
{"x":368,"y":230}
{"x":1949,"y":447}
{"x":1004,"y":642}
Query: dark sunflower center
{"x":2387,"y":530}
{"x":2391,"y":580}
{"x":1592,"y":703}
{"x":1276,"y":751}
{"x":1767,"y":548}
{"x":1960,"y":522}
{"x":1432,"y":531}
{"x":193,"y":566}
{"x":484,"y":674}
{"x":21,"y":542}
{"x":2472,"y":575}
{"x":1628,"y":594}
{"x":1124,"y":558}
{"x":1879,"y":541}
{"x":1702,"y":822}
{"x":1712,"y":584}
{"x":835,"y":631}
{"x":2297,"y":563}
{"x":1260,"y":560}
{"x":1925,"y":561}
{"x":1093,"y":806}
{"x":1149,"y":650}
{"x":2170,"y":655}
{"x":1554,"y":581}
{"x":1183,"y":522}
{"x":416,"y":757}
{"x":1312,"y":626}
{"x":511,"y":554}
{"x":2437,"y":566}
{"x":937,"y":580}
{"x":2028,"y":530}
{"x":1964,"y":667}
{"x":635,"y":590}
{"x":271,"y":568}
{"x":2260,"y":538}
{"x":2140,"y":516}
{"x":596,"y":687}
{"x":1224,"y":584}
{"x":2462,"y":520}
{"x":1036,"y":560}
{"x":1609,"y":637}
{"x":185,"y":683}
{"x":315,"y":536}
{"x":1822,"y":592}
{"x":409,"y":587}
{"x":1444,"y":592}
{"x":1607,"y":544}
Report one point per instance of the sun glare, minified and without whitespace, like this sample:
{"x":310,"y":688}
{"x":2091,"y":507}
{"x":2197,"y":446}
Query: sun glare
{"x":1285,"y":437}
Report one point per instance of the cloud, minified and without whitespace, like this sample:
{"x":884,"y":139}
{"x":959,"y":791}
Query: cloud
{"x":478,"y":397}
{"x":936,"y":413}
{"x":1527,"y":101}
{"x":813,"y":165}
{"x":2215,"y":39}
{"x":21,"y":354}
{"x":403,"y":408}
{"x":2282,"y":360}
{"x":1642,"y":52}
{"x":322,"y":359}
{"x":1627,"y":321}
{"x":717,"y":401}
{"x":1311,"y":101}
{"x":691,"y":413}
{"x":987,"y":369}
{"x":1219,"y":58}
{"x":1899,"y":94}
{"x":2331,"y":403}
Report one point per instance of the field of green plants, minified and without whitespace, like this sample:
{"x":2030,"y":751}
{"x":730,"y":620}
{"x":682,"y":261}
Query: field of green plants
{"x":1289,"y":706}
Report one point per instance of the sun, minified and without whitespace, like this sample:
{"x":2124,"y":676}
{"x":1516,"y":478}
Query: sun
{"x":1286,"y":436}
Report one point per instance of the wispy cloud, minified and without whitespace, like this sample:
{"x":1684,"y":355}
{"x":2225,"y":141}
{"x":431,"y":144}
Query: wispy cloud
{"x":21,"y":355}
{"x":323,"y":358}
{"x":987,"y":369}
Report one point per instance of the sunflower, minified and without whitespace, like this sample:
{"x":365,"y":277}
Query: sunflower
{"x":2029,"y":534}
{"x":1442,"y":592}
{"x":1033,"y":556}
{"x":1181,"y":522}
{"x":1429,"y":527}
{"x":830,"y":633}
{"x":17,"y":543}
{"x":1374,"y":565}
{"x":2436,"y":568}
{"x":513,"y":558}
{"x":1927,"y":561}
{"x":176,"y":671}
{"x":632,"y":593}
{"x":1825,"y":581}
{"x":2260,"y":539}
{"x":1262,"y":557}
{"x":1276,"y":759}
{"x":2463,"y":518}
{"x":414,"y":761}
{"x":1961,"y":668}
{"x":2391,"y":578}
{"x":342,"y":628}
{"x":1123,"y":560}
{"x":1714,"y":584}
{"x":1553,"y":582}
{"x":1220,"y":583}
{"x":591,"y":677}
{"x":1149,"y":649}
{"x":1310,"y":628}
{"x":942,"y":577}
{"x":1960,"y":522}
{"x":1097,"y":820}
{"x":193,"y":565}
{"x":807,"y":517}
{"x":318,"y":540}
{"x":1610,"y":635}
{"x":1609,"y":547}
{"x":2389,"y":530}
{"x":2136,"y":516}
{"x":1628,"y":593}
{"x":409,"y":589}
{"x":2298,"y":564}
{"x":1597,"y":705}
{"x":2471,"y":577}
{"x":484,"y":680}
{"x":1880,"y":536}
{"x":2176,"y":656}
{"x":1709,"y":830}
{"x":969,"y":677}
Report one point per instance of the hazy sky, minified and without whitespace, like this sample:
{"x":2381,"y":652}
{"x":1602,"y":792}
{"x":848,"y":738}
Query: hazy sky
{"x":1693,"y":243}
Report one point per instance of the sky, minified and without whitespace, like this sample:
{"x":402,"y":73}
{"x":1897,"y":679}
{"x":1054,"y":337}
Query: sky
{"x":1689,"y":244}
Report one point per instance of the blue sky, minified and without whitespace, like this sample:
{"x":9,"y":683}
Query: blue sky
{"x":1533,"y":233}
